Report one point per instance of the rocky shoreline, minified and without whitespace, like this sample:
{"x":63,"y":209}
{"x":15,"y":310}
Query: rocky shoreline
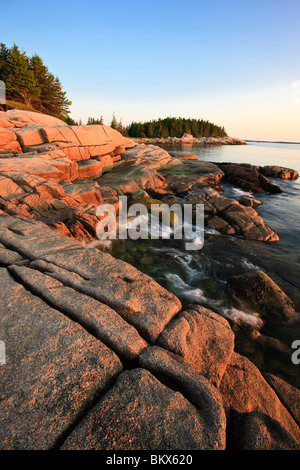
{"x":188,"y":139}
{"x":93,"y":344}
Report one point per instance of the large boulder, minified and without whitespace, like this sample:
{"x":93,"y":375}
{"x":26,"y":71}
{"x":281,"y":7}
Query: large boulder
{"x":263,"y":295}
{"x":248,"y":177}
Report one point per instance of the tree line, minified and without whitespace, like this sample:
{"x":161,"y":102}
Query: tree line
{"x":29,"y":81}
{"x":175,"y":127}
{"x":168,"y":127}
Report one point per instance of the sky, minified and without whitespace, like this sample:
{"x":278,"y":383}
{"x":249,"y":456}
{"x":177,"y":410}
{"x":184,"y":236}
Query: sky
{"x":235,"y":63}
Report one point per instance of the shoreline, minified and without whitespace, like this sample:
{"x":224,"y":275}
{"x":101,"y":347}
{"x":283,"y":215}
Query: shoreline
{"x":188,"y":139}
{"x":272,"y":142}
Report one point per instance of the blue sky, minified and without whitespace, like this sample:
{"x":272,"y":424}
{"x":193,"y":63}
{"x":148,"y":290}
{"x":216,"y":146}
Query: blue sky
{"x":231,"y":62}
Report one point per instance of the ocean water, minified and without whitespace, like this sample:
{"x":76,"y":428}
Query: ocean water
{"x":201,"y":276}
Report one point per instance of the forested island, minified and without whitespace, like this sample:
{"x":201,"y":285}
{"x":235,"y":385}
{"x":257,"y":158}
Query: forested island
{"x":175,"y":127}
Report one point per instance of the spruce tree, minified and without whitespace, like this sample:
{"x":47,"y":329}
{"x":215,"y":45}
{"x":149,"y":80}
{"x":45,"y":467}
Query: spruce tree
{"x":21,"y":83}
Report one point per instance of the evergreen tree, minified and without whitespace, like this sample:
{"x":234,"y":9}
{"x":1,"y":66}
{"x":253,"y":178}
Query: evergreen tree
{"x":91,"y":121}
{"x":175,"y":127}
{"x":4,"y":62}
{"x":114,"y":122}
{"x":29,"y":81}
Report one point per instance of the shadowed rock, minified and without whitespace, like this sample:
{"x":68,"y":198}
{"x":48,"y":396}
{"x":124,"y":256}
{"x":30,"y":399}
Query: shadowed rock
{"x":244,"y":390}
{"x":248,"y":177}
{"x":262,"y":294}
{"x":288,"y":395}
{"x":141,"y":413}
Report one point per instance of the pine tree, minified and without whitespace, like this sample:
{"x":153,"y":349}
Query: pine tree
{"x":4,"y":62}
{"x":92,"y":120}
{"x":114,"y":122}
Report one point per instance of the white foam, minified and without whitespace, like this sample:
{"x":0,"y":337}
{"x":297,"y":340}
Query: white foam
{"x":238,"y":316}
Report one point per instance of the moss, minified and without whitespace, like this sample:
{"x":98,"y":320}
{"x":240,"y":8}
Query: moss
{"x":147,"y":260}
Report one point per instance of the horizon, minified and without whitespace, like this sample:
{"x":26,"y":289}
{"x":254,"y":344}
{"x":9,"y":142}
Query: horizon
{"x":232,"y":64}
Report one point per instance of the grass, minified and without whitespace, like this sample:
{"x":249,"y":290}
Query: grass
{"x":11,"y":104}
{"x":177,"y":172}
{"x":17,"y":105}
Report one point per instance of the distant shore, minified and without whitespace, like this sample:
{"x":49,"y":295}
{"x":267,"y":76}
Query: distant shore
{"x":189,"y":139}
{"x":272,"y":142}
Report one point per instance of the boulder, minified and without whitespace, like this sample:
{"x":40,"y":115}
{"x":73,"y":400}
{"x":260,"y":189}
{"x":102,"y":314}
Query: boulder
{"x":263,"y":295}
{"x":229,"y":217}
{"x":248,"y":177}
{"x":279,"y":172}
{"x":121,"y":420}
{"x":250,"y":201}
{"x":190,"y":175}
{"x":55,"y":369}
{"x":203,"y":339}
{"x":245,"y":391}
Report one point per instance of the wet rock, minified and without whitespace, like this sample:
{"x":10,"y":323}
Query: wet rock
{"x":263,"y":294}
{"x":250,"y":201}
{"x":121,"y":420}
{"x":203,"y":339}
{"x":216,"y":223}
{"x":246,"y":222}
{"x":248,"y":177}
{"x":229,"y":217}
{"x":279,"y":172}
{"x":191,"y":175}
{"x":267,"y":186}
